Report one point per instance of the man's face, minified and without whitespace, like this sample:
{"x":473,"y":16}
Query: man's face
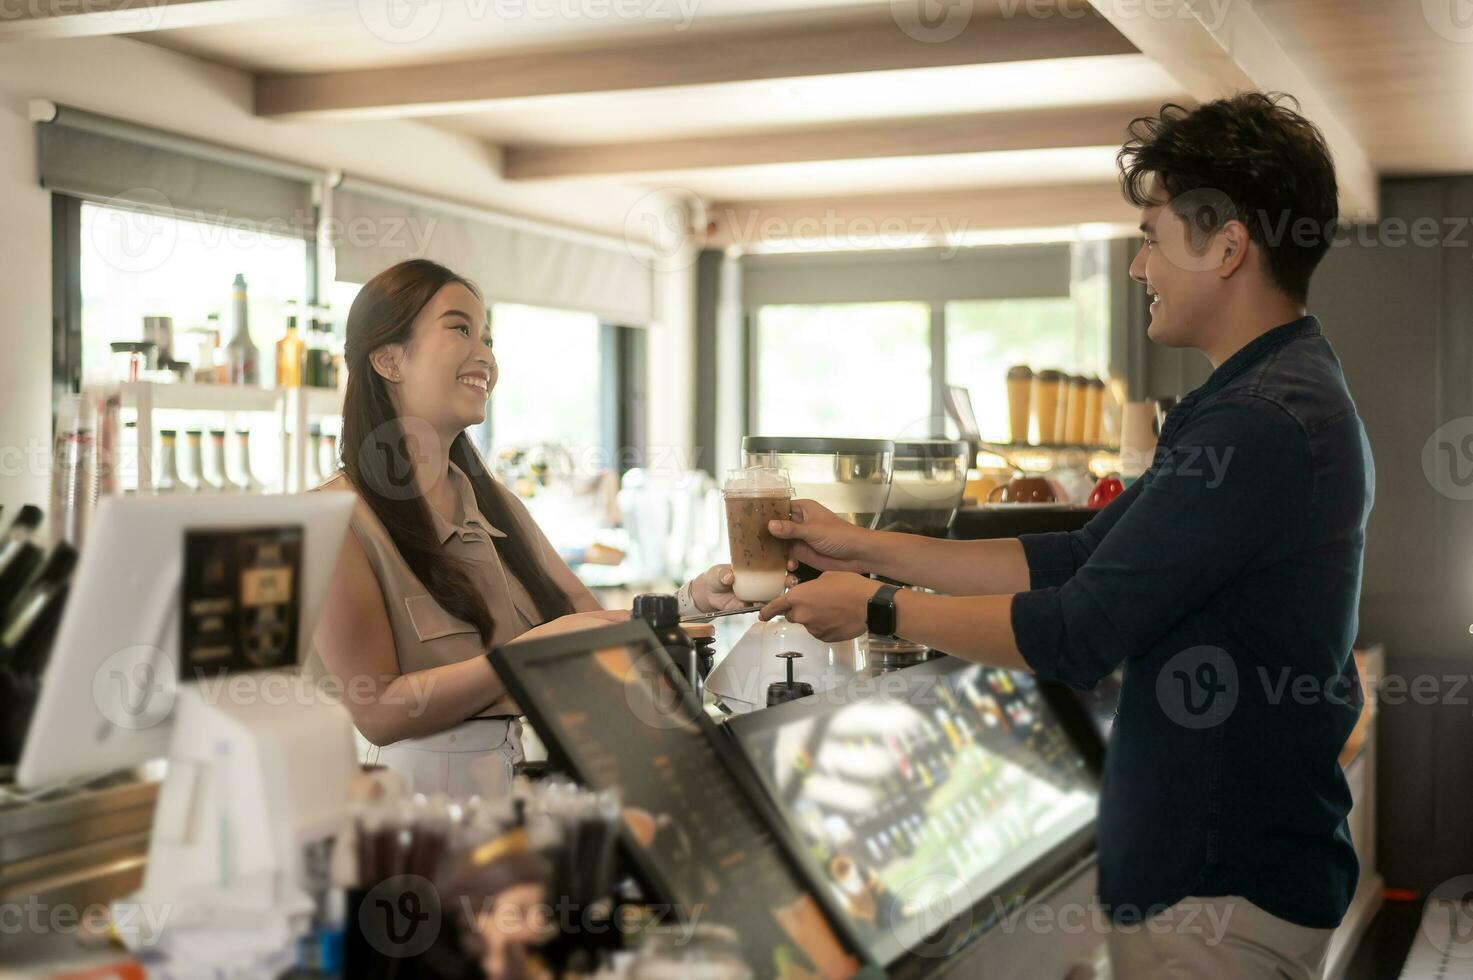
{"x":1181,"y":278}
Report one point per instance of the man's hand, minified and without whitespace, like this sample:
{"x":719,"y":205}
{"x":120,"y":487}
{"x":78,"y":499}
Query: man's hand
{"x":711,"y":590}
{"x":822,"y":540}
{"x":833,"y":607}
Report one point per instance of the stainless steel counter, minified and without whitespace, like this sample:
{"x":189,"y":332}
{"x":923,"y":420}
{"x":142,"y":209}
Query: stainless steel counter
{"x":80,"y":845}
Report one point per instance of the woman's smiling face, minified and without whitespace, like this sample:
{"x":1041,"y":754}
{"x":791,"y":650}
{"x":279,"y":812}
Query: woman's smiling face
{"x":446,"y":371}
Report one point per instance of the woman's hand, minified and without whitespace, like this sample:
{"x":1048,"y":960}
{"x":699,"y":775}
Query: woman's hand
{"x":711,"y":590}
{"x":822,"y":540}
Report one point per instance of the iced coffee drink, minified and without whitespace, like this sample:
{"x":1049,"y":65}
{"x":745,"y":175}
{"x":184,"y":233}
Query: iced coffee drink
{"x":759,"y":561}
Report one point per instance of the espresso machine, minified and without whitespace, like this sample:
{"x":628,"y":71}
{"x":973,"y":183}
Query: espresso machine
{"x":928,"y":482}
{"x":851,"y":477}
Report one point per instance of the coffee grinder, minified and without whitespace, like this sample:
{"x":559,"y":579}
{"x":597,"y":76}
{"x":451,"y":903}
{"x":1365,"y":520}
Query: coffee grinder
{"x":930,"y":477}
{"x":851,"y":477}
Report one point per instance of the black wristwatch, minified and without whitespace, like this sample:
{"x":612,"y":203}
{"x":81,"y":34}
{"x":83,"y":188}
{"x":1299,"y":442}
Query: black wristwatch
{"x":881,"y":614}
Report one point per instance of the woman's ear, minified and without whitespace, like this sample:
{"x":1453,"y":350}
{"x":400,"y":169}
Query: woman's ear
{"x":387,"y":361}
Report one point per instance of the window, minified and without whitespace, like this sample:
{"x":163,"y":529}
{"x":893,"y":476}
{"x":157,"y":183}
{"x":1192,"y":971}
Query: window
{"x":986,"y":337}
{"x":136,"y":265}
{"x":550,"y":386}
{"x":856,"y":369}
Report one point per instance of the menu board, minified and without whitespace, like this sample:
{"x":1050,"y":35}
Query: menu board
{"x":611,"y":706}
{"x":923,"y":793}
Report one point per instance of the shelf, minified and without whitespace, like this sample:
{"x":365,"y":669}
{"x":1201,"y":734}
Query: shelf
{"x":321,"y":401}
{"x":188,"y":397}
{"x":203,"y":397}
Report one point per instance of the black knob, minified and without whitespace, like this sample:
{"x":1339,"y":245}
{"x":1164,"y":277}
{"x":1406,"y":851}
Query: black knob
{"x":781,"y":692}
{"x":659,"y":610}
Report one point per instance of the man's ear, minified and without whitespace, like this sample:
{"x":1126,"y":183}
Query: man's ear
{"x":1234,"y":239}
{"x":388,"y":361}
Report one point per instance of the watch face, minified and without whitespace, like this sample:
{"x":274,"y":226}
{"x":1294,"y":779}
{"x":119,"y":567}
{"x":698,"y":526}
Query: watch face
{"x":881,"y":618}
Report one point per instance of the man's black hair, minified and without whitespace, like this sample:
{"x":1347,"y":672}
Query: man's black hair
{"x":1249,"y":157}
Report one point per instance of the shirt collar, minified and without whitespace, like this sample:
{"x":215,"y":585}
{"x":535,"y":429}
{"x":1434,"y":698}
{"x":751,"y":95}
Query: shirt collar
{"x":1260,"y":347}
{"x":470,"y":515}
{"x":1248,"y":355}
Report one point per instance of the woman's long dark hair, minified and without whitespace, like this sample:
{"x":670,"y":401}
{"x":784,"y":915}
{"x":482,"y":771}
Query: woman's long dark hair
{"x":376,"y":455}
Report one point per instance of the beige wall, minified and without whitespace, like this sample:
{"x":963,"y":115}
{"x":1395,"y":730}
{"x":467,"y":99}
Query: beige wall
{"x":135,"y":81}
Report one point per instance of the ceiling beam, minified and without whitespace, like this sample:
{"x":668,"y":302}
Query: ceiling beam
{"x":835,"y":47}
{"x":35,"y":19}
{"x":1214,"y":49}
{"x":989,"y":132}
{"x":913,"y":219}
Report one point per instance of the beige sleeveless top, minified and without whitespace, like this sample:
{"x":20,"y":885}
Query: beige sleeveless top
{"x":425,"y":634}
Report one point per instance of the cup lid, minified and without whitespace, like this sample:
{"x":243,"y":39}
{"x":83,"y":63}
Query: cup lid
{"x":758,"y":481}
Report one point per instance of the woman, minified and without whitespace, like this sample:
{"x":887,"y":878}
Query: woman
{"x":443,"y":562}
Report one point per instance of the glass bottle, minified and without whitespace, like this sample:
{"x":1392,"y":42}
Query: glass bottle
{"x":248,"y":479}
{"x":310,"y":471}
{"x":168,"y":481}
{"x":289,"y":351}
{"x":220,"y":472}
{"x":194,"y":440}
{"x":309,"y":355}
{"x":241,"y":354}
{"x":219,"y":359}
{"x":326,"y":377}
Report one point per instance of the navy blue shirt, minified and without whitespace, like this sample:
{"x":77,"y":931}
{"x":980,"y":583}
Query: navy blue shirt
{"x":1226,"y":580}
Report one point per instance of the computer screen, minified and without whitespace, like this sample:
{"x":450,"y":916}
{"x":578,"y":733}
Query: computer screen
{"x":924,"y":792}
{"x":170,"y":589}
{"x":613,"y":711}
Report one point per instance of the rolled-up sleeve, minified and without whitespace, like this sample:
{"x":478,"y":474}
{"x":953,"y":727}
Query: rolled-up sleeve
{"x":1235,"y":482}
{"x":1054,"y":556}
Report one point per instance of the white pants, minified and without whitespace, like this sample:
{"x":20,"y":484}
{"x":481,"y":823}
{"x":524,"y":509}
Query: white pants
{"x":1222,"y":937}
{"x":473,"y":758}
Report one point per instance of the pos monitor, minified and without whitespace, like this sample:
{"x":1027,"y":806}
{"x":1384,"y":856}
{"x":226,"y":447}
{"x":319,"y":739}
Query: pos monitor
{"x":615,"y":714}
{"x":170,"y":589}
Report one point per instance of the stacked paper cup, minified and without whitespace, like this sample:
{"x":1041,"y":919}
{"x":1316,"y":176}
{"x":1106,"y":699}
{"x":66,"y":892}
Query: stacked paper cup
{"x":1137,"y":439}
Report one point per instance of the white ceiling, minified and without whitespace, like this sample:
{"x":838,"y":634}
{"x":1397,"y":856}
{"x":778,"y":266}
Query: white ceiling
{"x":383,"y":33}
{"x":1398,"y":78}
{"x":962,"y":171}
{"x":346,"y":39}
{"x":709,"y":110}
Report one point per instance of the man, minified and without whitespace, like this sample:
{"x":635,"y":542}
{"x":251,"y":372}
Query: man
{"x":1225,"y":579}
